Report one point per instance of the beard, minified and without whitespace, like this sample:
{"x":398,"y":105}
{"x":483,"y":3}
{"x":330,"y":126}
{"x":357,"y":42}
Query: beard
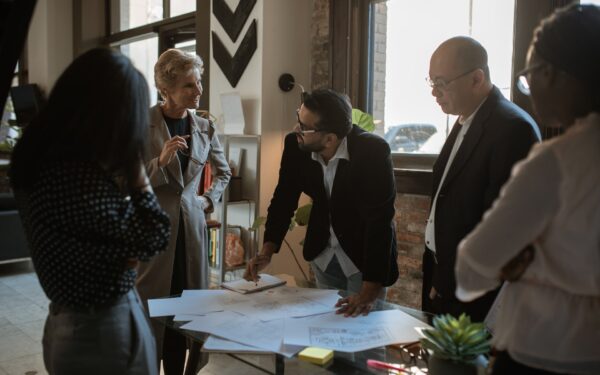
{"x":315,"y":147}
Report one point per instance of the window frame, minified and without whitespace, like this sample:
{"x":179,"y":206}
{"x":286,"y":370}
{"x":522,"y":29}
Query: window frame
{"x":351,"y":27}
{"x":167,"y":30}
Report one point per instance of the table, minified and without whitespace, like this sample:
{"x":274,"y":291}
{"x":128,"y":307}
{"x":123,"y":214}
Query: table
{"x":343,"y":363}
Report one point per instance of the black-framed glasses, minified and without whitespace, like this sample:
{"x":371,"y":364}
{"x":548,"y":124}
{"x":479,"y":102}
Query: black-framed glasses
{"x":523,"y":80}
{"x":302,"y":128}
{"x":442,"y":84}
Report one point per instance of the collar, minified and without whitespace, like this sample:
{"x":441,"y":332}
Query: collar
{"x":465,"y":123}
{"x":340,"y":153}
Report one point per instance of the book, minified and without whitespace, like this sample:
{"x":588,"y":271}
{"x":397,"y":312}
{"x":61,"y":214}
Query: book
{"x":265,"y":281}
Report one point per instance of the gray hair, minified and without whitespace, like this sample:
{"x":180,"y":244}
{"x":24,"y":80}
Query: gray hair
{"x":172,"y":64}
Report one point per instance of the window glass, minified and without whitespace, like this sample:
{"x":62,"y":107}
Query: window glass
{"x":144,"y":54}
{"x":182,"y":6}
{"x":187,"y":46}
{"x":403,"y":107}
{"x":134,"y":13}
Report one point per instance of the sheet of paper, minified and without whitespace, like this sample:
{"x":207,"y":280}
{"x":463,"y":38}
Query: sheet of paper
{"x":285,"y":302}
{"x":184,"y":318}
{"x":231,"y":104}
{"x":217,"y":344}
{"x":336,"y":332}
{"x":194,"y":302}
{"x":175,"y":306}
{"x":267,"y":336}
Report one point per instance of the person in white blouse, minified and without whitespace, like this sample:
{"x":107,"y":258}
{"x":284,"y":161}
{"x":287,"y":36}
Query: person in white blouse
{"x":549,"y":317}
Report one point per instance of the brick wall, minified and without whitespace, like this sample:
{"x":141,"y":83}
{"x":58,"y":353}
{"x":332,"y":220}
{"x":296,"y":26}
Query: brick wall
{"x":379,"y":60}
{"x":319,"y":62}
{"x":411,"y":216}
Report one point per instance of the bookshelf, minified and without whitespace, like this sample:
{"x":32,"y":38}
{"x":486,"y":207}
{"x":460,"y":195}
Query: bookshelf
{"x":237,"y":210}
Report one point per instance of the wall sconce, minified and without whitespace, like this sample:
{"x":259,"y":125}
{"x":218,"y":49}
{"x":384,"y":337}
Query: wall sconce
{"x":287,"y":83}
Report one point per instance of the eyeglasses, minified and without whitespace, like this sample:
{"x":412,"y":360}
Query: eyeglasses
{"x":303,"y":129}
{"x":523,"y":81}
{"x":442,"y":84}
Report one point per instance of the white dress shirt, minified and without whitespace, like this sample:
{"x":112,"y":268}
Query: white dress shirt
{"x":430,"y":228}
{"x":334,"y":247}
{"x":550,"y":318}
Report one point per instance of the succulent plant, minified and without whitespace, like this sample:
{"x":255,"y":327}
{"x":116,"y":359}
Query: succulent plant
{"x":457,"y":340}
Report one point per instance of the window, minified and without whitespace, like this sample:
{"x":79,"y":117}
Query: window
{"x":144,"y":54}
{"x":405,"y":34}
{"x":134,"y":13}
{"x":182,"y":6}
{"x":129,"y":14}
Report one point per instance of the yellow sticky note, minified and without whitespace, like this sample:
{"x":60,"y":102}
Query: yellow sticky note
{"x":318,"y":356}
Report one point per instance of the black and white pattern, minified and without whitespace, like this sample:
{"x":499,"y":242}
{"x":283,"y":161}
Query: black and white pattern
{"x":82,"y":229}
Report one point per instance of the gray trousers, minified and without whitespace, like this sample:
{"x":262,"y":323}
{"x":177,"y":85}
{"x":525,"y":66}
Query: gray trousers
{"x":112,"y":340}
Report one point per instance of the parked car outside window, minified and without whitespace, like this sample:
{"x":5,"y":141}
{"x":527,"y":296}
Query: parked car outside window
{"x":407,"y":138}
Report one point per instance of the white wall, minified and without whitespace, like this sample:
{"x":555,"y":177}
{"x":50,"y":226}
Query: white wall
{"x":249,"y":85}
{"x":50,"y":42}
{"x":283,"y":47}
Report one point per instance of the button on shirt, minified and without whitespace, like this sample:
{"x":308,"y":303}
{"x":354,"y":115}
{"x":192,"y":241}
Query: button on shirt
{"x":430,"y":228}
{"x":333,"y":247}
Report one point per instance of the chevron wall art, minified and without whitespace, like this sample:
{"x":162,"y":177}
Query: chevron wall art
{"x":233,"y":23}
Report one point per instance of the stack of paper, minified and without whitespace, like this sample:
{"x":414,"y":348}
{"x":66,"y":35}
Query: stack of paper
{"x":282,"y":320}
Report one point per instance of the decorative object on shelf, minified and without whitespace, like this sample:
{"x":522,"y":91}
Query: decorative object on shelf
{"x":234,"y":248}
{"x":457,"y":345}
{"x":233,"y":113}
{"x":234,"y":67}
{"x":233,"y":22}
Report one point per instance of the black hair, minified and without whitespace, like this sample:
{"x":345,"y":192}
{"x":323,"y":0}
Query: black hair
{"x":569,"y":39}
{"x":96,"y":112}
{"x":334,"y":110}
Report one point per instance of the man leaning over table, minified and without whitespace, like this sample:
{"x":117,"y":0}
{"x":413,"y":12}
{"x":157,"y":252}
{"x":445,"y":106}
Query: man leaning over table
{"x":350,"y":239}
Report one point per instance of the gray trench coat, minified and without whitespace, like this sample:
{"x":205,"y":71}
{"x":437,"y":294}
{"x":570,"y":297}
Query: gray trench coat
{"x":179,"y":191}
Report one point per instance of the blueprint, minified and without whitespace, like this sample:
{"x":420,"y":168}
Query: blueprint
{"x":333,"y":331}
{"x":283,"y":320}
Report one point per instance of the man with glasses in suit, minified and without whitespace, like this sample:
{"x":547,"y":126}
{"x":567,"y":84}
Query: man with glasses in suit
{"x":490,"y":135}
{"x":350,"y":240}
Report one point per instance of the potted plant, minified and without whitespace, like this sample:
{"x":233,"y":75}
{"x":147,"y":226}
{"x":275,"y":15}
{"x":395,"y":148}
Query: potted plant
{"x":457,"y":346}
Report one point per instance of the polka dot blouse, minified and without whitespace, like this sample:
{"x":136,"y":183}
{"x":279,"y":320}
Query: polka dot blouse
{"x":81,"y":230}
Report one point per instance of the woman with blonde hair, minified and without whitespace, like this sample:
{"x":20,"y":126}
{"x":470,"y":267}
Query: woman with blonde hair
{"x":181,"y":144}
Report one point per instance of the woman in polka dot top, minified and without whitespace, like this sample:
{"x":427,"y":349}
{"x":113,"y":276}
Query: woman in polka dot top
{"x":86,"y":231}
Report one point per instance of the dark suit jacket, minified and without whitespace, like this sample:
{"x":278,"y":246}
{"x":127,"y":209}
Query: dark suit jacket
{"x":500,"y":135}
{"x":361,"y":206}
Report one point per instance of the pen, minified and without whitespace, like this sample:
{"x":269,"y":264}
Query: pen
{"x":386,"y":366}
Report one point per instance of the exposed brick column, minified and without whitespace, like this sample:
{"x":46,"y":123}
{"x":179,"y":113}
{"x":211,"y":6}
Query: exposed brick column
{"x":319,"y":62}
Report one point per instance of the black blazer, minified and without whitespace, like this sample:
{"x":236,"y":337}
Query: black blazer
{"x":361,"y":206}
{"x":500,"y":135}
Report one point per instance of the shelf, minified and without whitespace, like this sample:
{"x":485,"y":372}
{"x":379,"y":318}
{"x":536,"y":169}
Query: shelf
{"x":241,"y":201}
